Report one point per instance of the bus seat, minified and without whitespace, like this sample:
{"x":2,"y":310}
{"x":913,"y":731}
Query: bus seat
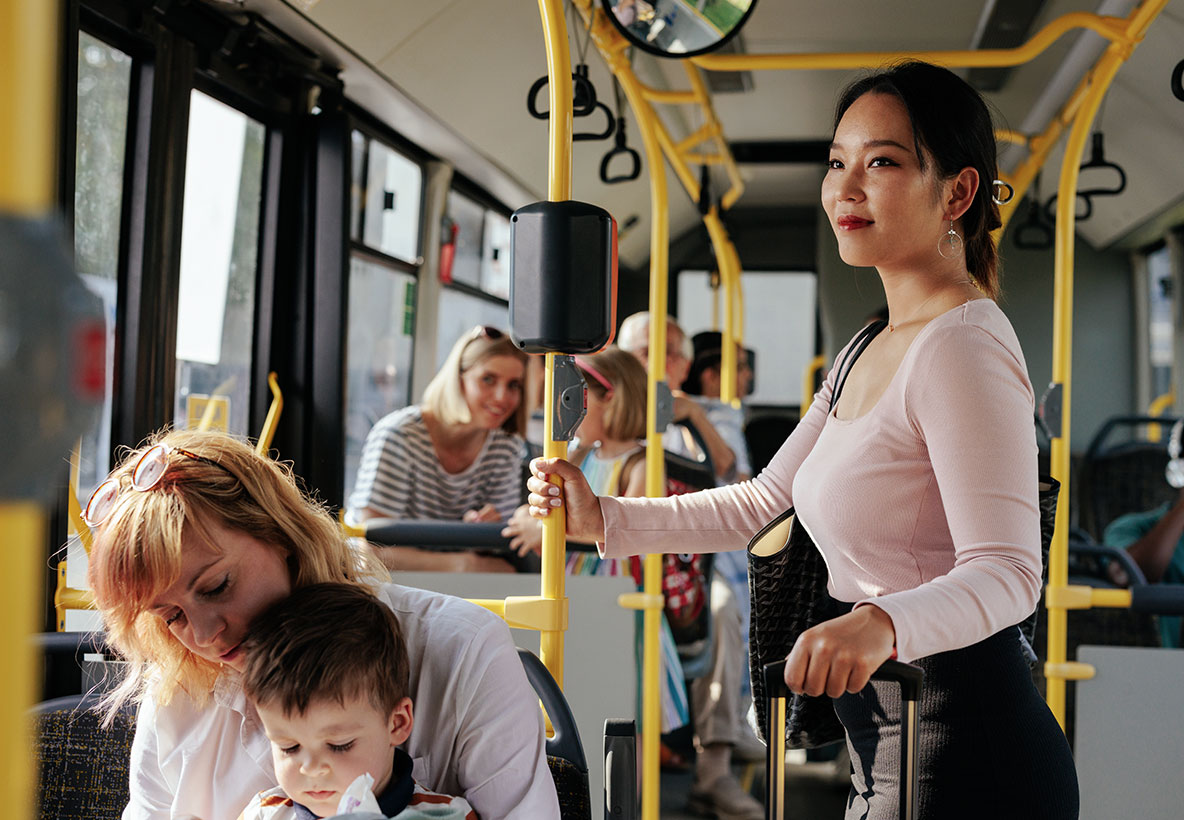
{"x":82,"y":766}
{"x":565,"y":753}
{"x":765,"y":433}
{"x":62,"y":654}
{"x":1124,"y":477}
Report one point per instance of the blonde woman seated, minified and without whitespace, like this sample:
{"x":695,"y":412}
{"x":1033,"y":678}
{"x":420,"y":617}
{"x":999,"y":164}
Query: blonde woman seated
{"x":196,"y":535}
{"x":457,"y":456}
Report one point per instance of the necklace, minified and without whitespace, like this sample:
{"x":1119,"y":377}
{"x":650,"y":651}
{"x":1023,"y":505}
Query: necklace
{"x":916,"y":313}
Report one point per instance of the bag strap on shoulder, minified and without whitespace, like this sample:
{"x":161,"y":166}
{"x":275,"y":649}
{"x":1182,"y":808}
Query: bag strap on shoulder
{"x":854,"y":352}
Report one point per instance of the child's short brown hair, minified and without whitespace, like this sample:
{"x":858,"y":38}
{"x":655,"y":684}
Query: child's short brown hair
{"x":326,"y":642}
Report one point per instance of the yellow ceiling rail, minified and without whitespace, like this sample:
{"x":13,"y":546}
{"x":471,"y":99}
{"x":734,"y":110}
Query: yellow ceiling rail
{"x":1062,"y":359}
{"x":1112,"y":28}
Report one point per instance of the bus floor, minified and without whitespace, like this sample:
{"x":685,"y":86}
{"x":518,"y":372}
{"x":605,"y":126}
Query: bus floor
{"x":810,"y":793}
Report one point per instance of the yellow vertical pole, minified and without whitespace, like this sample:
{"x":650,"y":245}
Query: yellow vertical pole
{"x":28,"y":86}
{"x":558,"y":190}
{"x":655,"y":474}
{"x":727,"y":261}
{"x":1056,"y":668}
{"x":1062,"y":371}
{"x":22,"y":526}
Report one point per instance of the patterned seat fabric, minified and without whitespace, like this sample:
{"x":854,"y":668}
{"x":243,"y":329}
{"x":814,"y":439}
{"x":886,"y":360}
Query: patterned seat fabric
{"x":82,"y":766}
{"x":571,"y":785}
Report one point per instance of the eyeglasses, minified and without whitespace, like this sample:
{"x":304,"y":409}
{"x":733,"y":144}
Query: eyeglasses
{"x":489,"y":332}
{"x":149,"y":470}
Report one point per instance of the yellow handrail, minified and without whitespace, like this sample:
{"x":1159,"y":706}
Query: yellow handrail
{"x":1157,"y":407}
{"x":1062,"y":365}
{"x":558,"y":189}
{"x":273,"y":415}
{"x":29,"y":37}
{"x":808,"y":377}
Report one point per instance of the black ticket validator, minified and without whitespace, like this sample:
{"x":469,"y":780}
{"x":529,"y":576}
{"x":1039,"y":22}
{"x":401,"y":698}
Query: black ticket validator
{"x":563,"y":277}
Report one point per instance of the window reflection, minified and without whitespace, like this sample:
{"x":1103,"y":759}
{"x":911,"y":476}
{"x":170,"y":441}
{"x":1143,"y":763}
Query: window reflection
{"x":1161,"y":298}
{"x":469,"y":218}
{"x":460,"y":312}
{"x":219,"y":247}
{"x":379,"y":345}
{"x":391,"y":201}
{"x":104,"y":88}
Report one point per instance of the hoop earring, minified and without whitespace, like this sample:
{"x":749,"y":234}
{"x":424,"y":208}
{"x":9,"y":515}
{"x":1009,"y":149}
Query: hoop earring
{"x":950,"y":245}
{"x":1003,"y":192}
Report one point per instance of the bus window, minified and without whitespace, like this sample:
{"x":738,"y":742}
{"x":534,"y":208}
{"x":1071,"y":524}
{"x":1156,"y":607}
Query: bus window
{"x":391,"y":199}
{"x":379,"y":346}
{"x":460,"y":312}
{"x":1160,"y":298}
{"x":779,"y":324}
{"x":219,"y":249}
{"x":469,"y":219}
{"x":104,"y":88}
{"x":495,"y":256}
{"x":479,"y":285}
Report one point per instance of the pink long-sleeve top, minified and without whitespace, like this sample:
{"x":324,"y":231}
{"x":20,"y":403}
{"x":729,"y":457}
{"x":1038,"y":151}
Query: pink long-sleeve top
{"x":926,"y":505}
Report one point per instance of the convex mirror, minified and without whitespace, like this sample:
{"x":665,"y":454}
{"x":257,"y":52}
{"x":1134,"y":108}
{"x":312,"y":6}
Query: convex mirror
{"x":678,"y":28}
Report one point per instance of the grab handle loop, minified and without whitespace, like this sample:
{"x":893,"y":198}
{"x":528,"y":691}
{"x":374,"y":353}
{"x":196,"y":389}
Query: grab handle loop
{"x":602,"y":135}
{"x":1097,"y":159}
{"x":1178,"y":81}
{"x":621,"y":147}
{"x":583,"y":96}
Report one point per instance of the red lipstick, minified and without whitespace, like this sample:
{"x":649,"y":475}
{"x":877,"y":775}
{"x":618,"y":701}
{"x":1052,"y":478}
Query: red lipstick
{"x":849,"y":222}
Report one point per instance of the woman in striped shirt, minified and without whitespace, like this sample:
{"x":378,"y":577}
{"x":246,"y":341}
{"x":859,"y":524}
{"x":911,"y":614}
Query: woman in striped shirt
{"x":456,"y":456}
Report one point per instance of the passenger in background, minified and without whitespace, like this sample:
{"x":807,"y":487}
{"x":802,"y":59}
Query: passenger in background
{"x":611,"y":454}
{"x":634,"y":337}
{"x":704,"y":384}
{"x":718,"y":718}
{"x":457,"y":456}
{"x":195,"y":535}
{"x":327,"y":671}
{"x":1155,"y":541}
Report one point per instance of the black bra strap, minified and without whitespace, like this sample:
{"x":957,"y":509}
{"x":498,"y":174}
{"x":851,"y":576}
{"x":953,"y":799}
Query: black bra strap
{"x":854,"y":352}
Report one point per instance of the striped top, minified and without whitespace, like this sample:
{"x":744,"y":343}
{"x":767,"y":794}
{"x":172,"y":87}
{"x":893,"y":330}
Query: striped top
{"x":400,"y":475}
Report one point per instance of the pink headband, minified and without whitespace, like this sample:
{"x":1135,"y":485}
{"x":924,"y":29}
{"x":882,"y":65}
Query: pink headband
{"x":587,"y":367}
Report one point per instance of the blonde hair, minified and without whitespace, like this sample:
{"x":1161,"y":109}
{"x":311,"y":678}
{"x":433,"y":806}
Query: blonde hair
{"x":624,"y":413}
{"x":444,"y":398}
{"x":137,"y":552}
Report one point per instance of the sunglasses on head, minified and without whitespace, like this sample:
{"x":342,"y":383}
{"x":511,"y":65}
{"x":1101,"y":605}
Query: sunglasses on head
{"x":148,"y":472}
{"x":489,"y":332}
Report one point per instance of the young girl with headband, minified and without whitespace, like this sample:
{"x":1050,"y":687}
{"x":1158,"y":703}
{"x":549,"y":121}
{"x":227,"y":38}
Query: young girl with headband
{"x":610,"y":453}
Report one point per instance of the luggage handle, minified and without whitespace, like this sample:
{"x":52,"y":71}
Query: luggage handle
{"x":909,"y":677}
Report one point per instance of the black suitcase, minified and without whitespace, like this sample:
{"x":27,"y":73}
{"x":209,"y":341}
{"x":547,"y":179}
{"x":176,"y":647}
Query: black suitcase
{"x":908,"y":676}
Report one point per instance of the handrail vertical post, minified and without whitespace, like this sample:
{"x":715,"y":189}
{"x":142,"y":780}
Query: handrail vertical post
{"x":28,"y":85}
{"x":558,"y":190}
{"x":1062,"y":360}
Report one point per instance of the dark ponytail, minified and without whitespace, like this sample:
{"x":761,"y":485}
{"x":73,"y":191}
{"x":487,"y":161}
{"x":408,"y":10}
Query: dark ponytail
{"x":951,"y":122}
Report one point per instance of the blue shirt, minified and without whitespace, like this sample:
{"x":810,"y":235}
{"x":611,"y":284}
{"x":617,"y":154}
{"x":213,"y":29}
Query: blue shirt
{"x":1126,"y":530}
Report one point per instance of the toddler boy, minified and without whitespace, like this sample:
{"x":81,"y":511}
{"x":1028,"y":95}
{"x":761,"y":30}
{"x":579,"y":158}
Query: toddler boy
{"x":327,"y":671}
